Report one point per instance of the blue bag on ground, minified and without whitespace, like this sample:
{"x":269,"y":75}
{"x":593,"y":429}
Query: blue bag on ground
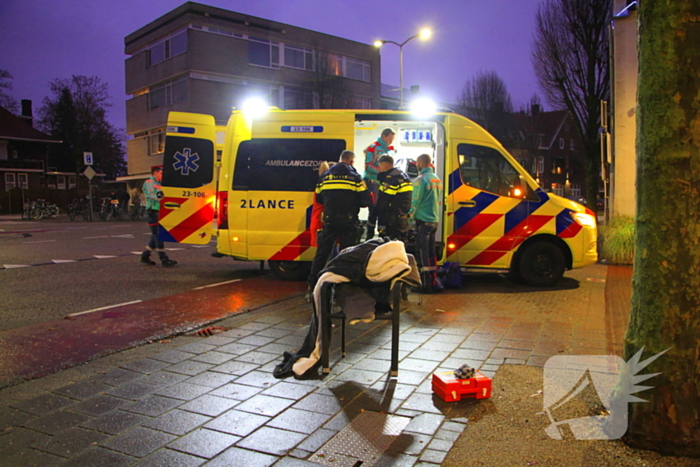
{"x":450,"y":275}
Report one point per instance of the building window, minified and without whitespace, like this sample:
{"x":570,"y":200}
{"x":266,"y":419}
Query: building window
{"x":71,"y":181}
{"x":571,"y":145}
{"x":298,"y":57}
{"x":156,"y":142}
{"x":349,"y":67}
{"x":558,"y":189}
{"x":562,"y":144}
{"x":575,"y":190}
{"x":538,"y":165}
{"x":9,"y":181}
{"x":174,"y":45}
{"x":262,"y":52}
{"x":298,"y":98}
{"x":61,"y":182}
{"x":168,"y":93}
{"x":3,"y":150}
{"x":362,"y":102}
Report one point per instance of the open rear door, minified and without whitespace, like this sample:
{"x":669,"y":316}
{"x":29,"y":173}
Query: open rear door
{"x":189,"y":187}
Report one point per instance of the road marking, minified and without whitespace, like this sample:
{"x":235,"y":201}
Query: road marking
{"x":102,"y":308}
{"x":146,"y":234}
{"x":76,"y":228}
{"x":104,"y":256}
{"x":60,"y":261}
{"x":136,"y":252}
{"x":174,"y":249}
{"x":40,"y":241}
{"x":99,"y":236}
{"x":14,"y":266}
{"x":123,"y":236}
{"x":214,"y":285}
{"x":201,"y":246}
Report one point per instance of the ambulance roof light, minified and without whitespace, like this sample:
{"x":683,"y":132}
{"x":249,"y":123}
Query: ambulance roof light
{"x":423,"y":108}
{"x":255,"y":107}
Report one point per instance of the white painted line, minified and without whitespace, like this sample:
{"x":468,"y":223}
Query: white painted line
{"x":123,"y":236}
{"x":102,"y":308}
{"x":104,"y":256}
{"x":201,"y":246}
{"x":214,"y":285}
{"x":99,"y":236}
{"x":146,"y":234}
{"x":40,"y":241}
{"x":174,"y":249}
{"x":2,"y":230}
{"x":76,"y":228}
{"x":136,"y":252}
{"x":60,"y":261}
{"x":14,"y":266}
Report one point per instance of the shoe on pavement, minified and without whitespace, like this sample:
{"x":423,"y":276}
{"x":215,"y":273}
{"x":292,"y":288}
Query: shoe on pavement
{"x":147,"y":260}
{"x":169,"y":262}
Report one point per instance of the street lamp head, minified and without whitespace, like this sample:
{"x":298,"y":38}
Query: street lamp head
{"x":425,"y":33}
{"x":379,"y":43}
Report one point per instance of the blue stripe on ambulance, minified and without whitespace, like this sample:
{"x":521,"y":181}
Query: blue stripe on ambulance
{"x":464,"y":215}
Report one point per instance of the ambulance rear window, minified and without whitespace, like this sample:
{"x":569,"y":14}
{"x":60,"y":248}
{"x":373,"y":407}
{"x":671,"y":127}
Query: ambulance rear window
{"x":187,"y":162}
{"x":283,"y":164}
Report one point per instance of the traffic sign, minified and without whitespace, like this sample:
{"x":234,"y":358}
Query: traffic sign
{"x":87,"y":158}
{"x":89,"y":172}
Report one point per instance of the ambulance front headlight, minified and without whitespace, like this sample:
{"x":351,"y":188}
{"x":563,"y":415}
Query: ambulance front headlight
{"x":584,"y":220}
{"x":254,"y":107}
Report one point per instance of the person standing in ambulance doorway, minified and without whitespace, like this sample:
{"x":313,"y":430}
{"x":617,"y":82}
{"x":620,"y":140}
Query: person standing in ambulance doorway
{"x":153,"y":193}
{"x":426,"y":206}
{"x":383,"y":146}
{"x":394,"y":200}
{"x":342,"y":193}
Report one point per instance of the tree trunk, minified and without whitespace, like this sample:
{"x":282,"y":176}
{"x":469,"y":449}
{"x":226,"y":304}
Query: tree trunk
{"x":666,"y":279}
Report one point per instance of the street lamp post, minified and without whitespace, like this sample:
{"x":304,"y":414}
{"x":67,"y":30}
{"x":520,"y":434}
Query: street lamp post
{"x":423,"y":34}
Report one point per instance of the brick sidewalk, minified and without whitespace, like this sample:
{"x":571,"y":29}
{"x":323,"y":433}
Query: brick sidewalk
{"x":213,"y":401}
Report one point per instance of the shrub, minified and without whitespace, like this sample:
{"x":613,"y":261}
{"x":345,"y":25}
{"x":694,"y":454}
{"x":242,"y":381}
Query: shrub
{"x":618,"y":240}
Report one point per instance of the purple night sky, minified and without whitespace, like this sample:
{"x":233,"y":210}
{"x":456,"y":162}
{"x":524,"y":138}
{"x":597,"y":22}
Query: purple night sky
{"x":43,"y":40}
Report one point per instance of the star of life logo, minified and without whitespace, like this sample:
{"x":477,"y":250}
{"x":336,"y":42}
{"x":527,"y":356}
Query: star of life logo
{"x":186,"y":161}
{"x":586,"y":396}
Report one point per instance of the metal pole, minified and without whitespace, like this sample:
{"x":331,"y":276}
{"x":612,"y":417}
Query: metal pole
{"x":401,"y":74}
{"x":90,"y":197}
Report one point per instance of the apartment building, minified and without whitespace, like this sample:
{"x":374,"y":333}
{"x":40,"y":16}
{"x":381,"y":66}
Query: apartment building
{"x":198,"y":58}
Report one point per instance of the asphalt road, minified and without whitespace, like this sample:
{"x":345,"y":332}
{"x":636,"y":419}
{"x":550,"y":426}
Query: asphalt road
{"x":52,"y":268}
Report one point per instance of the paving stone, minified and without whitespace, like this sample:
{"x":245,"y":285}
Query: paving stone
{"x":435,"y":457}
{"x":454,"y":427}
{"x":243,"y":457}
{"x":145,"y":365}
{"x":114,"y":422}
{"x":426,"y":424}
{"x":272,"y":441}
{"x":447,"y":435}
{"x":56,"y":422}
{"x":264,"y":405}
{"x":273,"y":332}
{"x":163,"y":378}
{"x":138,"y":442}
{"x":235,"y":368}
{"x":172,"y":356}
{"x":319,"y":403}
{"x":169,"y":458}
{"x":291,"y":462}
{"x":152,"y":405}
{"x":288,"y":390}
{"x":42,"y":404}
{"x":301,"y":421}
{"x":338,"y":422}
{"x":236,"y":391}
{"x":214,"y":358}
{"x":362,"y":377}
{"x":117,"y":377}
{"x":410,"y":443}
{"x":70,"y":442}
{"x":189,"y":367}
{"x":448,"y":337}
{"x":395,"y":460}
{"x":317,"y":439}
{"x":237,"y":423}
{"x":237,"y":349}
{"x":28,"y":457}
{"x":440,"y":445}
{"x":15,"y":439}
{"x":515,"y":361}
{"x":211,"y":379}
{"x":260,"y":379}
{"x":414,"y":364}
{"x":196,"y":347}
{"x":177,"y":422}
{"x":98,"y":405}
{"x":427,"y":354}
{"x":183,"y":391}
{"x":343,"y":391}
{"x":209,"y":405}
{"x":508,"y":353}
{"x":235,"y":333}
{"x":261,"y":358}
{"x":276,"y":348}
{"x":255,"y":326}
{"x":470,"y":354}
{"x":82,"y":390}
{"x":413,"y":378}
{"x":204,"y":443}
{"x":133,"y":390}
{"x":515,"y":344}
{"x":224,"y":338}
{"x":99,"y":457}
{"x":256,"y":340}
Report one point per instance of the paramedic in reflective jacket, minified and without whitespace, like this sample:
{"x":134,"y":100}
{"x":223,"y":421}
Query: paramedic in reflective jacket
{"x":342,"y":193}
{"x":372,"y":154}
{"x":394,"y":201}
{"x":153,"y":194}
{"x":426,"y":210}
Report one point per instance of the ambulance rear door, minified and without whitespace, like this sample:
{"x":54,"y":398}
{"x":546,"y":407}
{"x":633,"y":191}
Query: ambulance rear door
{"x":189,"y":186}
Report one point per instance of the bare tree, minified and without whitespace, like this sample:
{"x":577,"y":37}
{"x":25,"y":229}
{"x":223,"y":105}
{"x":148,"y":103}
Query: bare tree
{"x":486,"y":100}
{"x":329,"y":90}
{"x":666,"y":284}
{"x":7,"y":101}
{"x":570,"y":57}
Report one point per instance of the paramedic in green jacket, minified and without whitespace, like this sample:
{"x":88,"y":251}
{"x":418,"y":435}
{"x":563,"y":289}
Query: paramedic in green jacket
{"x":153,"y":193}
{"x":373,"y":152}
{"x":426,"y":209}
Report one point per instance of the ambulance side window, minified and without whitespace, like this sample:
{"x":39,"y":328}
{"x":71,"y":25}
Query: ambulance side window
{"x":486,"y":169}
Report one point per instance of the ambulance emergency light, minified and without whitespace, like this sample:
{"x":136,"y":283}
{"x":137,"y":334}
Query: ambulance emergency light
{"x":423,"y":108}
{"x":254,"y":107}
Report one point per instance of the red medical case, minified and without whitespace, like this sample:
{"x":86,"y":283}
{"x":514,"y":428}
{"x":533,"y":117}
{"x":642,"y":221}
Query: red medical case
{"x":451,"y":389}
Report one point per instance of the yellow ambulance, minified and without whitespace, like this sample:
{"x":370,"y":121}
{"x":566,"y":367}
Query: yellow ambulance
{"x":257,"y":199}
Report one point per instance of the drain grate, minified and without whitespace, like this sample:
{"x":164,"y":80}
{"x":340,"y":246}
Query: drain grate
{"x":362,"y":442}
{"x":210,"y":331}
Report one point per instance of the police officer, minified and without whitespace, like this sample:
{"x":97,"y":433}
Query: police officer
{"x":342,"y":193}
{"x":153,"y":194}
{"x":394,"y":201}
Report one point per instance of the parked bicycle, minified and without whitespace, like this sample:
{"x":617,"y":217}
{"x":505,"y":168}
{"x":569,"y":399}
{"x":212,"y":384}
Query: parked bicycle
{"x":110,"y":209}
{"x":138,"y":212}
{"x":39,"y":209}
{"x":79,"y":206}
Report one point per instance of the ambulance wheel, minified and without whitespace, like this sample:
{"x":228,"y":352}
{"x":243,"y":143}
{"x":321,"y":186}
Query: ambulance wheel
{"x":542,"y":264}
{"x":290,"y":270}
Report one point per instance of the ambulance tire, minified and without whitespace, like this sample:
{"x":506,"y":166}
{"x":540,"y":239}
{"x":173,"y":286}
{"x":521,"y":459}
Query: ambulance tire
{"x":290,"y":270}
{"x":542,"y":264}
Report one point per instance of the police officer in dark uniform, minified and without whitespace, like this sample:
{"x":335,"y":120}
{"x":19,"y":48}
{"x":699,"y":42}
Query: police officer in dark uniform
{"x":394,"y":200}
{"x":342,"y":193}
